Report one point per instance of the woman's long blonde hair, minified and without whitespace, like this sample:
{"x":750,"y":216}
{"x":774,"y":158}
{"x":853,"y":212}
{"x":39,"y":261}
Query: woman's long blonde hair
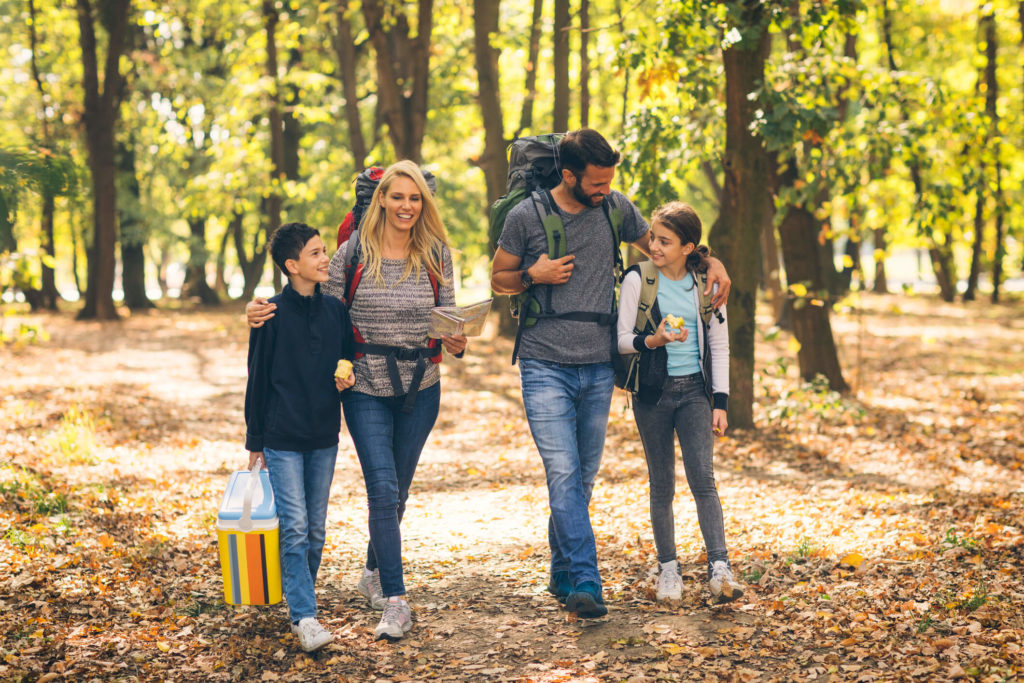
{"x":428,"y":235}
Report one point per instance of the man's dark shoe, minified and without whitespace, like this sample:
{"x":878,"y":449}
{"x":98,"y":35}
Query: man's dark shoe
{"x":586,"y":601}
{"x":560,"y":586}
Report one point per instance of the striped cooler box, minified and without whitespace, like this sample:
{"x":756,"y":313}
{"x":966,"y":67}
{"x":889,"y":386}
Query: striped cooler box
{"x":250,"y":561}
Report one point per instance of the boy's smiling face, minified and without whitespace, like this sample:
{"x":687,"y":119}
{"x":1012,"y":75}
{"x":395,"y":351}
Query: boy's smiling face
{"x":311,"y":266}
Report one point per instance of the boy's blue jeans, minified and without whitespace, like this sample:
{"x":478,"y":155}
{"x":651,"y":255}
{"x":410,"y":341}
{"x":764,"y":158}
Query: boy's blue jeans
{"x":567,"y":408}
{"x":388,"y":443}
{"x":302,"y":486}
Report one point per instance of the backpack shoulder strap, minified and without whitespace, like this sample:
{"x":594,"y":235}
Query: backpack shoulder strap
{"x":648,"y":295}
{"x":551,"y":222}
{"x":614,"y":215}
{"x":353,"y":269}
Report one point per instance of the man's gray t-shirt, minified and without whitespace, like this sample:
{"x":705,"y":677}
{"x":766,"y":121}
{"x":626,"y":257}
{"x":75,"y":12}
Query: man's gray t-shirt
{"x":588,"y":236}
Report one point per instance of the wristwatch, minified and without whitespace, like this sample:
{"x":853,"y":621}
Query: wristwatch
{"x":525,"y":278}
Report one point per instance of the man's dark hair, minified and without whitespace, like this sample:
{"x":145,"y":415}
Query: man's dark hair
{"x":288,"y":241}
{"x":586,"y":146}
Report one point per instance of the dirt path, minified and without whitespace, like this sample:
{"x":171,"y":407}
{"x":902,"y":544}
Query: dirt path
{"x":136,"y":425}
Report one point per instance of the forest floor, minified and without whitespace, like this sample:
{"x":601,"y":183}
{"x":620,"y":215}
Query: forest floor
{"x":881,"y":534}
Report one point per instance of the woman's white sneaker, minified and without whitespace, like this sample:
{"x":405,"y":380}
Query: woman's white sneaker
{"x":670,"y":583}
{"x":396,"y":620}
{"x":724,"y":587}
{"x":312,"y":636}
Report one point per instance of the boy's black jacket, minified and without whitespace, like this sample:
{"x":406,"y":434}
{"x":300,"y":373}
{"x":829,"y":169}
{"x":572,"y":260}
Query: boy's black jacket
{"x":291,"y":402}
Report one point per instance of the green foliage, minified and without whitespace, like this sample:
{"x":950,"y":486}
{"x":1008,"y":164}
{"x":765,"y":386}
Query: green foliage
{"x":812,"y":399}
{"x":954,"y":540}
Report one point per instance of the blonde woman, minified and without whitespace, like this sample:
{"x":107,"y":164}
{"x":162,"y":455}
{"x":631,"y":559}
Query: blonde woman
{"x":391,"y":272}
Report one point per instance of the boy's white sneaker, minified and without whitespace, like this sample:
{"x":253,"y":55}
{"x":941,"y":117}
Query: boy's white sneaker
{"x":724,"y":587}
{"x":670,"y":583}
{"x":369,"y":588}
{"x":312,"y":636}
{"x":396,"y":621}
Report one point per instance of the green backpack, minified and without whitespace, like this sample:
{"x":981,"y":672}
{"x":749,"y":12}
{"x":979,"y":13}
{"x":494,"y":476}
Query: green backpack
{"x":627,"y":370}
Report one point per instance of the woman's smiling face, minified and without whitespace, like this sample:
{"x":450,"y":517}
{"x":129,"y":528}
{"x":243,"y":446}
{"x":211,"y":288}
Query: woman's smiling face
{"x":402,"y":204}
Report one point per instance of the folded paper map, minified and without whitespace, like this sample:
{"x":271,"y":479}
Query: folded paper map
{"x":454,"y":320}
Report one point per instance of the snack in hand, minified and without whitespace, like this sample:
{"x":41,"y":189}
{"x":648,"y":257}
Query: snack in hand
{"x":344,"y":369}
{"x":673,"y":322}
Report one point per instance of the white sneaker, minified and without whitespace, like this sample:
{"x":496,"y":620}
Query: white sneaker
{"x":369,"y":588}
{"x":724,"y":587}
{"x":670,"y":583}
{"x":396,"y":621}
{"x":312,"y":636}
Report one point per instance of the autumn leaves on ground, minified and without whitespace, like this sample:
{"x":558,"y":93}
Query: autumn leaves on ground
{"x":881,"y":534}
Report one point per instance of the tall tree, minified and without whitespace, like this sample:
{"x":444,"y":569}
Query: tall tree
{"x":403,"y":70}
{"x":133,"y":233}
{"x":746,"y":197}
{"x":274,"y":201}
{"x":101,"y":105}
{"x":560,"y":113}
{"x":585,"y":63}
{"x":530,"y":86}
{"x":493,"y":161}
{"x":992,"y":117}
{"x":347,"y":55}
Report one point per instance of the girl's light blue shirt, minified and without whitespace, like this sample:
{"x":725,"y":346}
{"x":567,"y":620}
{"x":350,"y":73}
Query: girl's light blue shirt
{"x":676,"y":297}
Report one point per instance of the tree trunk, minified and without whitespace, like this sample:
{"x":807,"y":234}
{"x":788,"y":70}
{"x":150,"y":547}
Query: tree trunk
{"x":100,"y":118}
{"x":771,"y":268}
{"x":560,"y":113}
{"x":810,"y":314}
{"x":493,"y":161}
{"x":403,"y":71}
{"x":979,"y":232}
{"x":746,"y":205}
{"x":49,"y":296}
{"x":274,"y":202}
{"x":881,"y":285}
{"x":530,"y":86}
{"x":195,"y":285}
{"x":133,"y":234}
{"x":345,"y":50}
{"x":991,"y":99}
{"x":252,"y":268}
{"x":585,"y":63}
{"x":220,"y":284}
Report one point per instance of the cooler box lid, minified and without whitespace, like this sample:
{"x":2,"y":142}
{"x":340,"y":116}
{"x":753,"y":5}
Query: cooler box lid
{"x":263,"y":507}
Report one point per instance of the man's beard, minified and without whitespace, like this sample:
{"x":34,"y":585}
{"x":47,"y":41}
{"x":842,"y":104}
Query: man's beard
{"x":584,"y":198}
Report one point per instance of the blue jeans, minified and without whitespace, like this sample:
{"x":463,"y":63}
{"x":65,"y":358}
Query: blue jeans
{"x":302,"y":486}
{"x":388,"y":443}
{"x":567,"y":408}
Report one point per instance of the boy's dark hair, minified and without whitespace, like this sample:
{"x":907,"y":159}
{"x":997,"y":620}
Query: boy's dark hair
{"x":288,"y":241}
{"x":586,"y":146}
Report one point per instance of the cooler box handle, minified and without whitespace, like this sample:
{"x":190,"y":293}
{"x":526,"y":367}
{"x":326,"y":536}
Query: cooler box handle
{"x":245,"y":521}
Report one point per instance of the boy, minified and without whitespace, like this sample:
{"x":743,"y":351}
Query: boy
{"x":293,"y":413}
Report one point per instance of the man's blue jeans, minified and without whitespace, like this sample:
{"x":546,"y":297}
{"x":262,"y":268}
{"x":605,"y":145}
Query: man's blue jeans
{"x":302,"y":486}
{"x":567,"y":408}
{"x":388,"y":443}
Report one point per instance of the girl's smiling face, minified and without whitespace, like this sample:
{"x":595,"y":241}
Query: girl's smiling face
{"x":666,"y":247}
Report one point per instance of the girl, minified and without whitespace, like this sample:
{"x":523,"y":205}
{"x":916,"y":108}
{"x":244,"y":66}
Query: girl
{"x":684,"y":388}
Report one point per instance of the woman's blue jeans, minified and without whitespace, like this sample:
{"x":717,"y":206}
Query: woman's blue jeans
{"x":567,"y":408}
{"x":302,"y":487}
{"x":388,"y":443}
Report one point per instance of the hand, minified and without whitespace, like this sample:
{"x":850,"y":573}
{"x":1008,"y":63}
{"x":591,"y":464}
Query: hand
{"x":719,"y":421}
{"x":662,"y":336}
{"x":718,"y":276}
{"x":257,"y":455}
{"x":547,"y":271}
{"x":454,"y":343}
{"x":259,"y":311}
{"x":347,"y":383}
